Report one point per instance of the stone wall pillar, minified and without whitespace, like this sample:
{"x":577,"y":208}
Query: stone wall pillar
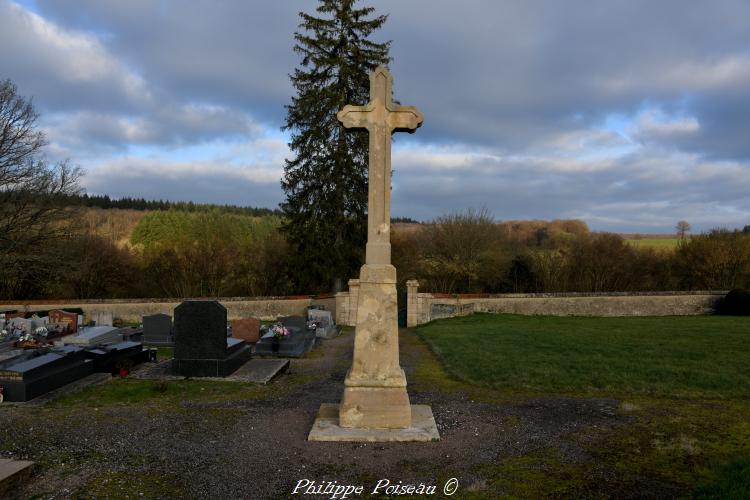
{"x":412,"y":311}
{"x":342,"y":308}
{"x":353,"y":301}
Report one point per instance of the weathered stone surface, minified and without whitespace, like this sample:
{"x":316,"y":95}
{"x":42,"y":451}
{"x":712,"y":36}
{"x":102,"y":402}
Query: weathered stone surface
{"x":326,"y":428}
{"x":375,"y":394}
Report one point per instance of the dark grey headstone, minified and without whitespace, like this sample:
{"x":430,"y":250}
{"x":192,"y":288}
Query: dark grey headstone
{"x":200,"y":330}
{"x":157,"y":329}
{"x":201,"y":347}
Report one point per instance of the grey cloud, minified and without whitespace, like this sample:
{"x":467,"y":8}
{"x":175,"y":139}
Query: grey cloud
{"x":640,"y":192}
{"x":207,"y":182}
{"x":507,"y":74}
{"x":511,"y":79}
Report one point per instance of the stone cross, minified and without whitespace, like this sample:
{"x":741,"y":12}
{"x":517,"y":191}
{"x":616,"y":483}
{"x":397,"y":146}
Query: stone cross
{"x":375,"y":387}
{"x":375,"y":405}
{"x":381,"y":118}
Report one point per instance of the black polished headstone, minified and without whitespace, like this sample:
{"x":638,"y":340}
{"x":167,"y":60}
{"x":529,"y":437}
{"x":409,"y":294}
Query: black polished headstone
{"x":201,"y":347}
{"x":201,"y":327}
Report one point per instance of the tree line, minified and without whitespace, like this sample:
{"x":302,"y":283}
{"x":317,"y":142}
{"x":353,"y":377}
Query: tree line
{"x":178,"y":254}
{"x":128,"y":203}
{"x":469,"y":252}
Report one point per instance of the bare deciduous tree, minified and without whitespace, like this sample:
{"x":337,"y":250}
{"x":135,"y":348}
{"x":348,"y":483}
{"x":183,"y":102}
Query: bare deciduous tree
{"x":30,"y":194}
{"x":682,"y":228}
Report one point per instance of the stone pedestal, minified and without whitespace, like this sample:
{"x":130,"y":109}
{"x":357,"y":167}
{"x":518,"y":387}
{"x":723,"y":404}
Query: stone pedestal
{"x":375,"y":387}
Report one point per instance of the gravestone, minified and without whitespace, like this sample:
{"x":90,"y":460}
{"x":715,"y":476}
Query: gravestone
{"x":21,"y":324}
{"x":375,"y":405}
{"x":324,"y":319}
{"x":30,"y":375}
{"x":247,"y":329}
{"x":298,"y":343}
{"x":201,"y":347}
{"x":157,"y":330}
{"x":70,"y":320}
{"x":102,"y":318}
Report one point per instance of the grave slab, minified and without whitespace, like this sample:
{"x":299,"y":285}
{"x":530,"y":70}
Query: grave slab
{"x":297,"y":344}
{"x":260,"y":371}
{"x":13,"y":473}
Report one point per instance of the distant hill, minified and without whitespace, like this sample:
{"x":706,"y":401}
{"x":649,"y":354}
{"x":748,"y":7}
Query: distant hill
{"x":127,"y":203}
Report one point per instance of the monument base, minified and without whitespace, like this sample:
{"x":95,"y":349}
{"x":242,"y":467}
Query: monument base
{"x":375,"y":407}
{"x":212,"y":367}
{"x":327,"y":428}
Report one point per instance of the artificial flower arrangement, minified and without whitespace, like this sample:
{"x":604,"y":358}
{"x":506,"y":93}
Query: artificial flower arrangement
{"x":279,"y":331}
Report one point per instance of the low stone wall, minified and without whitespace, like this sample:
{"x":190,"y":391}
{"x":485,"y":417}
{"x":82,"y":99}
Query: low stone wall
{"x":266,"y":308}
{"x":424,"y":307}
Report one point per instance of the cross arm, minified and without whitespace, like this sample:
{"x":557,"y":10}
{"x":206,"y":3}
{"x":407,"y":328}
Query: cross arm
{"x":405,"y":119}
{"x":353,"y":116}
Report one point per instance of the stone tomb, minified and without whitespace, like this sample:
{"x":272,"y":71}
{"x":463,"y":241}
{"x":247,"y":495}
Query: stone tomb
{"x":375,"y":405}
{"x":69,"y":319}
{"x":201,"y":347}
{"x":326,"y":327}
{"x":247,"y":329}
{"x":30,"y":375}
{"x":299,"y":342}
{"x":108,"y":358}
{"x":158,"y":331}
{"x":94,"y":335}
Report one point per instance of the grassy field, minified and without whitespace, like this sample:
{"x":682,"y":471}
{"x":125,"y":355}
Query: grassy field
{"x":658,"y":243}
{"x":684,"y":381}
{"x":686,"y":356}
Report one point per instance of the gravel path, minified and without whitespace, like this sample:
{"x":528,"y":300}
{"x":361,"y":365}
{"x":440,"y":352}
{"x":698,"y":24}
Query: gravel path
{"x":257,"y":448}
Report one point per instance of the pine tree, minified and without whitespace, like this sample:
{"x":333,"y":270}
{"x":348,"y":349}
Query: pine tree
{"x":326,"y":182}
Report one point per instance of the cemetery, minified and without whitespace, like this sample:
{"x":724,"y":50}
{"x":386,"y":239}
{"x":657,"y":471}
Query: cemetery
{"x":328,"y":348}
{"x":500,"y":404}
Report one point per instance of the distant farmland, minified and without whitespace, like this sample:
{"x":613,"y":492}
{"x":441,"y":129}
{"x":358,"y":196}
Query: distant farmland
{"x":657,"y":241}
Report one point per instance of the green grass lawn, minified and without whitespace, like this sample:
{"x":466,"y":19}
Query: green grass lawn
{"x":684,"y":380}
{"x":685,"y":356}
{"x":658,"y":243}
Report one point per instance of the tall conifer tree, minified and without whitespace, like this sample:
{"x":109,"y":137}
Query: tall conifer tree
{"x":326,"y":182}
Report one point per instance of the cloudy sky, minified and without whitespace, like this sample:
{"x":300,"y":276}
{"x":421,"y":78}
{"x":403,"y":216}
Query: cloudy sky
{"x":630,"y":115}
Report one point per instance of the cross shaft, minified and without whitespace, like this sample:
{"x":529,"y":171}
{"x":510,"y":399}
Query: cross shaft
{"x":380,"y":117}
